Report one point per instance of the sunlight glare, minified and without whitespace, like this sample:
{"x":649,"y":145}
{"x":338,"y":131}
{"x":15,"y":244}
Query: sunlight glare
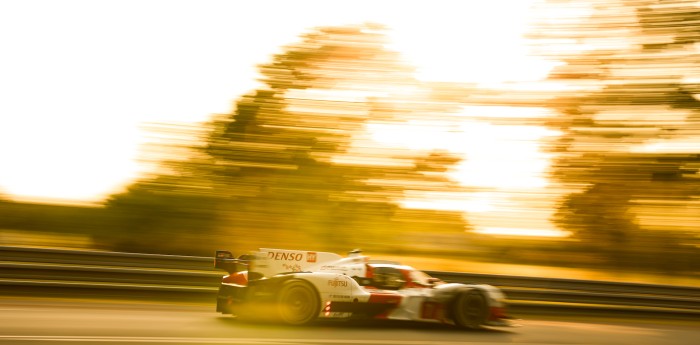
{"x":474,"y":202}
{"x":61,"y":162}
{"x":522,"y":232}
{"x":81,"y":92}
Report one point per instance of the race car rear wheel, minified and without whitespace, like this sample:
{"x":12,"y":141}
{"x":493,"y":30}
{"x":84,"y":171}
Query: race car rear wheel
{"x":470,"y":309}
{"x":298,"y":303}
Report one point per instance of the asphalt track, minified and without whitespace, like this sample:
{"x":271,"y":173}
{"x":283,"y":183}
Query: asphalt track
{"x":28,"y":321}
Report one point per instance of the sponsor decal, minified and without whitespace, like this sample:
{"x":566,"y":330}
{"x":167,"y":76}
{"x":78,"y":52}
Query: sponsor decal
{"x":311,"y":257}
{"x":333,"y":268}
{"x":282,"y":256}
{"x":292,"y":267}
{"x":339,"y":296}
{"x":337,"y":283}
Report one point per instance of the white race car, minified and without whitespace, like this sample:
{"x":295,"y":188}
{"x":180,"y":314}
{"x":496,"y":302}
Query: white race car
{"x":298,"y":287}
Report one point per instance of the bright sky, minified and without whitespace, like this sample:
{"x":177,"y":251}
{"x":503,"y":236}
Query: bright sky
{"x":80,"y":79}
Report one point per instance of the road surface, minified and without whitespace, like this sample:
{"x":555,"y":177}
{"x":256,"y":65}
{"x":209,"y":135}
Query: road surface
{"x":28,"y":321}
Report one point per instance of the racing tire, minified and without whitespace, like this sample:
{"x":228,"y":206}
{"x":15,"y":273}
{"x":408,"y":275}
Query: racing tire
{"x":470,"y":310}
{"x":221,"y":303}
{"x":298,"y":303}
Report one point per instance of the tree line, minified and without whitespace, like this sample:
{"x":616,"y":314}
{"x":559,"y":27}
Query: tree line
{"x":288,"y":166}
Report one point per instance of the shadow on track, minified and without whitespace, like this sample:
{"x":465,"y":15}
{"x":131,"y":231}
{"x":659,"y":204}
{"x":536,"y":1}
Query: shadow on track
{"x":370,"y":324}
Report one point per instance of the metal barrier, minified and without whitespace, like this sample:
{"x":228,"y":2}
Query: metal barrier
{"x":39,"y":271}
{"x":90,"y":257}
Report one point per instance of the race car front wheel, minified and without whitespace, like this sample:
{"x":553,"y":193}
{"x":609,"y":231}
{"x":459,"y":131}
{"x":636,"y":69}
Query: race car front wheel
{"x":470,"y":309}
{"x":298,"y":303}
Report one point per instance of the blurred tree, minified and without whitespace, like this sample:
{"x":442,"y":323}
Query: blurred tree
{"x":57,"y":225}
{"x":163,"y":214}
{"x":277,"y":155}
{"x":277,"y":171}
{"x":621,"y":150}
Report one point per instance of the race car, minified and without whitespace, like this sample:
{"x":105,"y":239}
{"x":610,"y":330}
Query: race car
{"x":298,"y":287}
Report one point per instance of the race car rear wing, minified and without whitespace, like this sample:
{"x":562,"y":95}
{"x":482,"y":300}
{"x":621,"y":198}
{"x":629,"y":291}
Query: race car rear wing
{"x":268,"y":262}
{"x":224,"y":260}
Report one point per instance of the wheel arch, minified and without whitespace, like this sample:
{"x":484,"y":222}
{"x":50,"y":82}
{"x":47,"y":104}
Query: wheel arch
{"x":460,"y":307}
{"x":308,"y":282}
{"x":286,"y":315}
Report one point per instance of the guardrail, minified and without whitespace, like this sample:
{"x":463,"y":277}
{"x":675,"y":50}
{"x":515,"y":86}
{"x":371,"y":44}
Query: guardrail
{"x":585,"y":291}
{"x":90,"y":257}
{"x":38,"y":271}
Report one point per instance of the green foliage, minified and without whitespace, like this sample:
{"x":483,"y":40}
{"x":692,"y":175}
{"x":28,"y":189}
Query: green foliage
{"x":159,"y":215}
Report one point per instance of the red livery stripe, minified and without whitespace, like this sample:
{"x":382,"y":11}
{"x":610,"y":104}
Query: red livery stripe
{"x":385,"y":298}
